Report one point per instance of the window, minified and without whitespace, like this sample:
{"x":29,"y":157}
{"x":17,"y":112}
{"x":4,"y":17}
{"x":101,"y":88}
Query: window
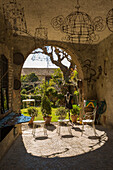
{"x":4,"y":84}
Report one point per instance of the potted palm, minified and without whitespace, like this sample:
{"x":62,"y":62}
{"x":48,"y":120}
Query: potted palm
{"x":32,"y":111}
{"x":75,"y":113}
{"x":46,"y":109}
{"x":61,"y":113}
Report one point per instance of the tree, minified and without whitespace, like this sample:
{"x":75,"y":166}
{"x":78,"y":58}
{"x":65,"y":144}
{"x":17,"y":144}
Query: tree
{"x":57,"y":56}
{"x":57,"y":78}
{"x":52,"y":94}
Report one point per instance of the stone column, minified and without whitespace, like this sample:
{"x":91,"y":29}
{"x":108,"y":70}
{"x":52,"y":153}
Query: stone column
{"x":10,"y":78}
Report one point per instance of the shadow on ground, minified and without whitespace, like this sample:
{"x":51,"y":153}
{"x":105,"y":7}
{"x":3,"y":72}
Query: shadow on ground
{"x":67,"y":136}
{"x":100,"y":159}
{"x":51,"y":127}
{"x":41,"y":138}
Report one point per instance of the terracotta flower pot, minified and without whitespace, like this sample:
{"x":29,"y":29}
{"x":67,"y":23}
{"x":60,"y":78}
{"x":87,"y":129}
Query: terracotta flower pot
{"x":74,"y":118}
{"x":31,"y":120}
{"x":47,"y":119}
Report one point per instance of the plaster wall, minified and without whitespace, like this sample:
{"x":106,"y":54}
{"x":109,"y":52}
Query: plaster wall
{"x":104,"y":85}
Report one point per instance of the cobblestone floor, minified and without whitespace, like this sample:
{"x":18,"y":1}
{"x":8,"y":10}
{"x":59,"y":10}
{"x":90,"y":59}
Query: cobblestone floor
{"x":55,"y":152}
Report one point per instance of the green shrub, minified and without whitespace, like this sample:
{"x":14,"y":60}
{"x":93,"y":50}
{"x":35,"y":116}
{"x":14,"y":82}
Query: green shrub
{"x":75,"y":110}
{"x":61,"y":113}
{"x":61,"y":100}
{"x":45,"y":106}
{"x":32,"y":111}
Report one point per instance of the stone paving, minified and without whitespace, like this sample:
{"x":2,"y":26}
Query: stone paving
{"x":55,"y":152}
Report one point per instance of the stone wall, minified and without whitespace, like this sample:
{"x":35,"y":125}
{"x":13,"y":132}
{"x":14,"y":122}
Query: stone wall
{"x":5,"y":51}
{"x":105,"y":82}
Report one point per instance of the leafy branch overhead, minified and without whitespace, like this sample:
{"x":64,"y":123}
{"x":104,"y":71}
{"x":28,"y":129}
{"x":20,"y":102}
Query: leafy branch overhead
{"x":57,"y":56}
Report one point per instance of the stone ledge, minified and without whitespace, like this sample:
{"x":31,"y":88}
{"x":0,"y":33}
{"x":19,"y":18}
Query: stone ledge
{"x":5,"y":114}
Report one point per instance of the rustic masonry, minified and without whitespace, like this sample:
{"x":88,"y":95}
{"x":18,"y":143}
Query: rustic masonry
{"x":94,"y":60}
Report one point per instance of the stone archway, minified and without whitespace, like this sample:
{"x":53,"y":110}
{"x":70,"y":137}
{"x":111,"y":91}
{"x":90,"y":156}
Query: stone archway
{"x":67,"y":47}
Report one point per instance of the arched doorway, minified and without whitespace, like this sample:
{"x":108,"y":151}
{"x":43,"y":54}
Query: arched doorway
{"x":76,"y":57}
{"x":57,"y":55}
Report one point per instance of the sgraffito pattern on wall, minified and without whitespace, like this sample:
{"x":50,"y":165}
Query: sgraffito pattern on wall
{"x":14,"y":17}
{"x":78,"y":26}
{"x":109,"y":20}
{"x":89,"y":71}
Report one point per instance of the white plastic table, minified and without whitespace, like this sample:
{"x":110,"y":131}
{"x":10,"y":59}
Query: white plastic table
{"x":28,"y":101}
{"x":38,"y":122}
{"x":59,"y":126}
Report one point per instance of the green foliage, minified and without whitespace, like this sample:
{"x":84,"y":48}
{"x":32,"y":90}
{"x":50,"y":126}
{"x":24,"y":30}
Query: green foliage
{"x":57,"y":74}
{"x":32,"y":77}
{"x":45,"y":106}
{"x":58,"y":103}
{"x":75,"y":110}
{"x":61,"y":113}
{"x":32,"y":111}
{"x":74,"y":75}
{"x":60,"y":96}
{"x":23,"y":91}
{"x":57,"y":77}
{"x":61,"y":99}
{"x":76,"y":93}
{"x":36,"y":91}
{"x":40,"y":116}
{"x":23,"y":78}
{"x":23,"y":97}
{"x":51,"y":90}
{"x":43,"y":88}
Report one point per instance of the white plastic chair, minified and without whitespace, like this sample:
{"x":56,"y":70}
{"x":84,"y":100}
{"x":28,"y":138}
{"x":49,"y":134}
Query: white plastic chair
{"x":89,"y":119}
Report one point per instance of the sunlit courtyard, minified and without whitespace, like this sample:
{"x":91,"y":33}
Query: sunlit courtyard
{"x":62,"y":151}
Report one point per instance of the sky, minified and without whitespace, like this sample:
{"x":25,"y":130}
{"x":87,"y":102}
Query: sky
{"x":29,"y":63}
{"x":40,"y":61}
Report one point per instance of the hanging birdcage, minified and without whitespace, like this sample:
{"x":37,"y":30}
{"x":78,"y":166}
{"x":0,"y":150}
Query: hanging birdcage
{"x":109,"y":20}
{"x":41,"y":32}
{"x":78,"y":26}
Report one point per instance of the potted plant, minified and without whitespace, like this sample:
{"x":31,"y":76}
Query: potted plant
{"x":61,"y":113}
{"x":46,"y":109}
{"x":32,"y":111}
{"x":75,"y":113}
